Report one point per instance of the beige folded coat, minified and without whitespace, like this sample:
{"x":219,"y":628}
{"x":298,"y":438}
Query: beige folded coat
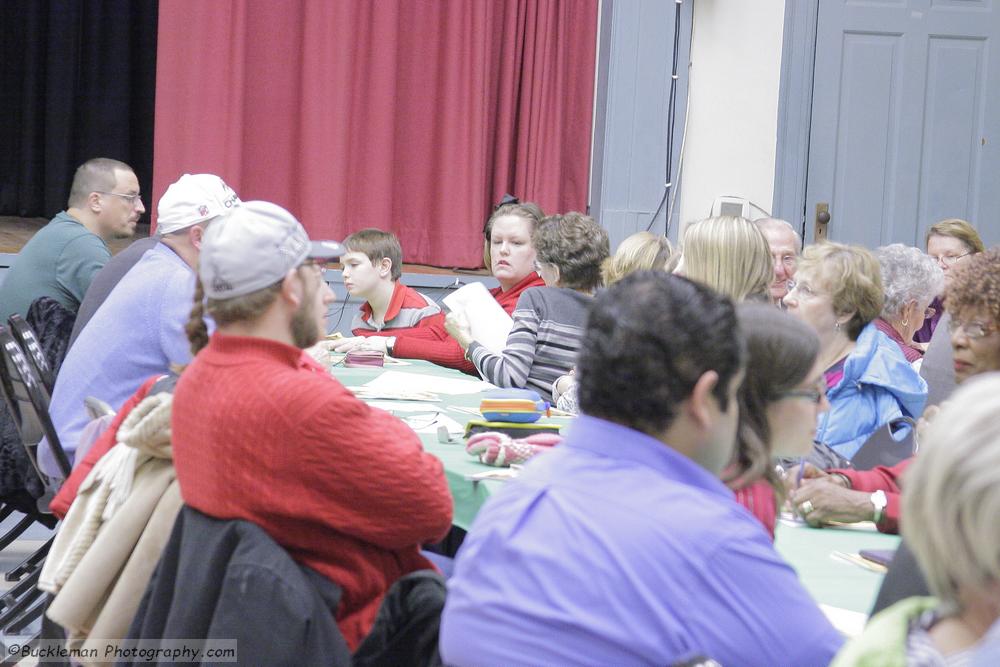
{"x":111,"y":539}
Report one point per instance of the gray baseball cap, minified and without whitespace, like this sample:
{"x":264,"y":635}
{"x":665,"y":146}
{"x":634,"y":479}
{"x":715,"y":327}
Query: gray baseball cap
{"x":255,"y":246}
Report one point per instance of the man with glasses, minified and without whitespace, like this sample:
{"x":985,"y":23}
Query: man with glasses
{"x":62,"y":258}
{"x":138,"y":331}
{"x":973,"y":300}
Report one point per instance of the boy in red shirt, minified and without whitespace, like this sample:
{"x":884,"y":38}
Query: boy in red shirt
{"x":373,"y":266}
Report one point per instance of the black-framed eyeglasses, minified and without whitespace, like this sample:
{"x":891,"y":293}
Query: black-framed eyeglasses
{"x":131,"y":199}
{"x":815,"y":395}
{"x":973,"y":330}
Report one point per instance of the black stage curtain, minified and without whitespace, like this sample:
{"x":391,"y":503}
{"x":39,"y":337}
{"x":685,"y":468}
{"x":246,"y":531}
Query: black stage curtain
{"x":77,"y":81}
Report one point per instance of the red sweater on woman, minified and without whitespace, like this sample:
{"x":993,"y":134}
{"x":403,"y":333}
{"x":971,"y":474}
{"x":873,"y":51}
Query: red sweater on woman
{"x":760,"y":500}
{"x":434,"y":344}
{"x":347,"y":489}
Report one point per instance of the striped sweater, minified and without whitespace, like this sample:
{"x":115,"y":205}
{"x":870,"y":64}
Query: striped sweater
{"x":542,"y":345}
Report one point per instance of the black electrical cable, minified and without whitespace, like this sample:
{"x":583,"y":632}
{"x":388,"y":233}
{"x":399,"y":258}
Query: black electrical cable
{"x":671,"y":106}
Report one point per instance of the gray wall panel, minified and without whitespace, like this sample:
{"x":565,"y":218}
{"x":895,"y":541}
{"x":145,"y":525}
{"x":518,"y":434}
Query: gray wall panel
{"x":633,"y":87}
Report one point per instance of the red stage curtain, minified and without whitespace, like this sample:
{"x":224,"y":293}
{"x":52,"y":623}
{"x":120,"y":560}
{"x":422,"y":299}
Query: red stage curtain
{"x":408,"y":115}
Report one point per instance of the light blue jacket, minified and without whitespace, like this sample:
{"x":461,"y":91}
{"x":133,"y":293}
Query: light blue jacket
{"x":878,"y":386}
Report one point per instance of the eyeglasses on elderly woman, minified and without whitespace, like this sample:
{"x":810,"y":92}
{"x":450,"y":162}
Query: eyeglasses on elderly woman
{"x":973,"y":329}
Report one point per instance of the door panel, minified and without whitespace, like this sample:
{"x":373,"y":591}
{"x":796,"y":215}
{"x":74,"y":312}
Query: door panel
{"x":951,"y":164}
{"x":905,"y":126}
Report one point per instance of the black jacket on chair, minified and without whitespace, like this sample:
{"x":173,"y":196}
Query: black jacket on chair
{"x":229,"y":580}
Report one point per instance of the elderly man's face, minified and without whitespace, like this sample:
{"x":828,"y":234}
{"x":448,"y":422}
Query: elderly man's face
{"x":785,"y":254}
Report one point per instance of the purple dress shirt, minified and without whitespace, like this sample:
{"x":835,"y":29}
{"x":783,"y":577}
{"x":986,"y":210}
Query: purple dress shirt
{"x":614,"y":549}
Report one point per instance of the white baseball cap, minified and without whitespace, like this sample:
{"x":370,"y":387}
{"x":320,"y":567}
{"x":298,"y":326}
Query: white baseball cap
{"x":255,"y":246}
{"x":192,"y":199}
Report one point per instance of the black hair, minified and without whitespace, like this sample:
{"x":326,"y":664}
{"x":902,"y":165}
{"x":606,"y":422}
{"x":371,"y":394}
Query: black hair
{"x":649,"y":337}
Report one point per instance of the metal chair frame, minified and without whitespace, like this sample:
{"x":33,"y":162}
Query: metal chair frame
{"x":26,"y":338}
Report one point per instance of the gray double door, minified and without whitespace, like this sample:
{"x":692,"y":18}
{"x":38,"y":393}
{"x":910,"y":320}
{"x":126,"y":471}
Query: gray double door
{"x":905,"y":126}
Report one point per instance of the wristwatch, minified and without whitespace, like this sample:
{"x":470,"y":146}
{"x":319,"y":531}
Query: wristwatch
{"x":390,"y":342}
{"x":879,"y":502}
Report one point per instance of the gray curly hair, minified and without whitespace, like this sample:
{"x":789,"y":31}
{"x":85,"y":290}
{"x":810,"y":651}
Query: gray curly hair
{"x":907,"y":274}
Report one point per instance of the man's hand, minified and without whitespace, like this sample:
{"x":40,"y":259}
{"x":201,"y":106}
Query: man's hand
{"x":457,"y":326}
{"x":821,"y":500}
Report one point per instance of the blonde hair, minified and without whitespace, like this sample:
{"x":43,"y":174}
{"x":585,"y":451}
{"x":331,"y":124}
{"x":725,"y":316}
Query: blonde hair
{"x":957,"y":228}
{"x":642,"y":250}
{"x":951,"y":493}
{"x":730,"y":255}
{"x":852,"y":277}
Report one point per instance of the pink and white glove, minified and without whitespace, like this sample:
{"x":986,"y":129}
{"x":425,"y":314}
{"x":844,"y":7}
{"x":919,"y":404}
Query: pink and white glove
{"x":499,"y":449}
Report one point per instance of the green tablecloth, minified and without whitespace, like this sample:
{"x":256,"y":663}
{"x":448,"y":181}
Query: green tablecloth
{"x":469,"y":496}
{"x":830,"y":580}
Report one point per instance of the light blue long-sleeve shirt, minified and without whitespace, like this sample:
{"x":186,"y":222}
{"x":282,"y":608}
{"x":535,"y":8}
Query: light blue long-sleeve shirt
{"x":137,"y":332}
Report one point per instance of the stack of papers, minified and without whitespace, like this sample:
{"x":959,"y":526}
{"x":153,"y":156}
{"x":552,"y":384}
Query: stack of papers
{"x":366,"y":393}
{"x":430,"y":423}
{"x":413,"y":383}
{"x":490,"y":323}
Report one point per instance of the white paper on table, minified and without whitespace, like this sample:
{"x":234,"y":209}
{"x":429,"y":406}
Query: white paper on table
{"x":413,"y":382}
{"x":490,"y":323}
{"x":847,"y":622}
{"x":403,"y":407}
{"x":430,"y":423}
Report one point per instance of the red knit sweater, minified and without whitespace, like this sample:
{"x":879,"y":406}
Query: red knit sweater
{"x":434,"y":344}
{"x":347,"y":489}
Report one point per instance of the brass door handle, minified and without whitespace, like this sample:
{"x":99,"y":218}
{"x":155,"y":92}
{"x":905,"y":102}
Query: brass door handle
{"x":822,"y":220}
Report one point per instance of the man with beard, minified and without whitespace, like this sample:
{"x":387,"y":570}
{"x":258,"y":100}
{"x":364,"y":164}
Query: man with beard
{"x":260,"y":434}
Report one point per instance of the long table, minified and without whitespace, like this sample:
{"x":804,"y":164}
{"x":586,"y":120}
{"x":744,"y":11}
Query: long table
{"x":831,"y":581}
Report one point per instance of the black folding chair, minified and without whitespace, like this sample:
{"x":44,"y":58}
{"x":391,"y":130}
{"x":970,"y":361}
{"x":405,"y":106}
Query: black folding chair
{"x":27,"y":399}
{"x":28,"y":402}
{"x":26,"y":338}
{"x":882,"y":449}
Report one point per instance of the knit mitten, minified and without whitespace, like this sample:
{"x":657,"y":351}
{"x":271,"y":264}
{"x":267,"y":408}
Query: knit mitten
{"x":498,"y":449}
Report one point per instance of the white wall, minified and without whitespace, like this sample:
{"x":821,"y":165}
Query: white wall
{"x":732,"y":120}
